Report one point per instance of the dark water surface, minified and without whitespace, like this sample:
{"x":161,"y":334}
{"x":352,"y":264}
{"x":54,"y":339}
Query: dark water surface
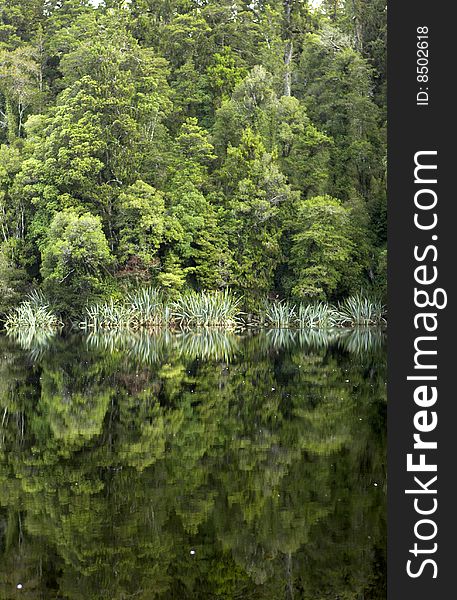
{"x":199,"y":466}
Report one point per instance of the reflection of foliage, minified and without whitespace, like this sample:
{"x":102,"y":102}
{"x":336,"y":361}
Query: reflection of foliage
{"x":260,"y":457}
{"x":360,"y":341}
{"x":205,"y":344}
{"x":319,"y":339}
{"x":213,"y":344}
{"x":34,"y":340}
{"x":143,"y":347}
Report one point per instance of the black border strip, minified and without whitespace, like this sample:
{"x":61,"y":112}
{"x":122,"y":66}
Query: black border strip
{"x":412,"y":129}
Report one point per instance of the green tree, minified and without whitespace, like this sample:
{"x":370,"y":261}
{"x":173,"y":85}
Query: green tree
{"x":225,"y":74}
{"x":255,"y":191}
{"x":20,"y":77}
{"x":337,"y":94}
{"x":321,"y":249}
{"x":13,"y":277}
{"x":192,"y":130}
{"x":195,"y":246}
{"x":75,"y":260}
{"x":140,"y":225}
{"x":104,"y":130}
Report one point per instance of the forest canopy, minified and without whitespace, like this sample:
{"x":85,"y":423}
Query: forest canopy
{"x":192,"y":145}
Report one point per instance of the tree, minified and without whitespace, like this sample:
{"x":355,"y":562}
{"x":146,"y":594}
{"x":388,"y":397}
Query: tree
{"x":321,"y":249}
{"x":255,"y":190}
{"x":140,"y":226}
{"x":253,"y":103}
{"x":337,"y":93}
{"x":13,"y":277}
{"x":19,"y":20}
{"x":20,"y":86}
{"x":224,"y":75}
{"x":303,"y":150}
{"x":193,"y":249}
{"x":75,"y":260}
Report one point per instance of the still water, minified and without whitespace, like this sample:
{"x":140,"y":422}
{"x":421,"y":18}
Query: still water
{"x":195,"y":466}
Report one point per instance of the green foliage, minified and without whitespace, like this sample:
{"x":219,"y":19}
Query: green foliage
{"x":224,"y":75}
{"x":20,"y":75}
{"x":322,"y":247}
{"x":256,"y":190}
{"x":355,"y":311}
{"x":108,"y":315}
{"x":148,"y":309}
{"x":75,"y":259}
{"x":207,"y":309}
{"x":140,"y":222}
{"x":13,"y":278}
{"x":360,"y":310}
{"x":318,"y":314}
{"x":145,"y":309}
{"x":33,"y":316}
{"x":200,"y":136}
{"x":280,"y":314}
{"x":151,"y":309}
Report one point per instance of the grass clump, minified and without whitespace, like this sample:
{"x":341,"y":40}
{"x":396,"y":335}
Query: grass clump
{"x":358,"y":310}
{"x":149,"y":308}
{"x":34,"y":315}
{"x":320,"y":315}
{"x":283,"y":315}
{"x":280,"y":315}
{"x":108,"y":315}
{"x":144,"y":309}
{"x":207,"y":309}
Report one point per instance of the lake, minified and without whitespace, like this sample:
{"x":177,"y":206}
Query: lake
{"x":203,"y":465}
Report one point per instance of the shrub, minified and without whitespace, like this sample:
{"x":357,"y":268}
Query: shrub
{"x":318,"y":314}
{"x":360,"y":310}
{"x":280,"y":315}
{"x":34,"y":314}
{"x":207,"y":309}
{"x":149,"y":308}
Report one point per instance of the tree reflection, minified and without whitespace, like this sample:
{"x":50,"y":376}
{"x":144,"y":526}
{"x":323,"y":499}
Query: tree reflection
{"x":246,"y":467}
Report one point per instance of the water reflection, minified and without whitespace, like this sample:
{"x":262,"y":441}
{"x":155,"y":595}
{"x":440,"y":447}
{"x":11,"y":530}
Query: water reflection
{"x":204,"y":466}
{"x":206,"y":344}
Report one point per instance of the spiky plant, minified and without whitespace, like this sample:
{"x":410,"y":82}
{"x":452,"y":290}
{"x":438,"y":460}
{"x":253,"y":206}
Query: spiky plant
{"x":280,"y":314}
{"x":207,"y":309}
{"x":360,"y":310}
{"x":319,"y":314}
{"x":149,"y":308}
{"x":33,"y":315}
{"x":108,"y":315}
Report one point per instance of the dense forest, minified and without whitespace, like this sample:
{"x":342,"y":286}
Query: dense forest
{"x":192,"y":145}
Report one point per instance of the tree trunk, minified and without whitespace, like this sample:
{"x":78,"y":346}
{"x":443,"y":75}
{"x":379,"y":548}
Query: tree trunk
{"x":289,"y":577}
{"x":358,"y":31}
{"x":288,"y":69}
{"x":288,"y":53}
{"x":11,"y":121}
